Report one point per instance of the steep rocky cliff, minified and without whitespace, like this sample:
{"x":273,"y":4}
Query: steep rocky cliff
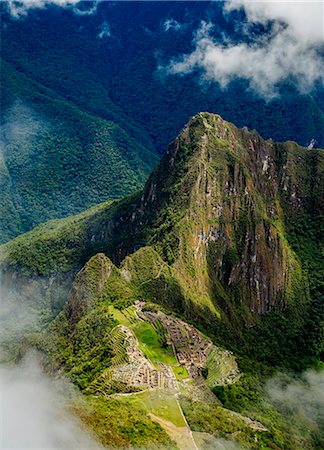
{"x":219,"y":217}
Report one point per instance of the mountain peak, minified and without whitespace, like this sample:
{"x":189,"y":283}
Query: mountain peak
{"x":214,"y":210}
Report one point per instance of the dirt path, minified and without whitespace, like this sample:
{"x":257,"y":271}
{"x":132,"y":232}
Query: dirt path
{"x":181,"y":435}
{"x":156,"y":276}
{"x":184,"y":418}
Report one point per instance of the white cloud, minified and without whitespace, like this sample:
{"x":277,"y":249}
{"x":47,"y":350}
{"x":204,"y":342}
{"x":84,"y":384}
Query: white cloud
{"x":304,"y":18}
{"x":104,"y":30}
{"x":34,"y":411}
{"x":302,"y":397}
{"x":19,"y":8}
{"x":292,"y":48}
{"x":91,"y":8}
{"x":171,"y":24}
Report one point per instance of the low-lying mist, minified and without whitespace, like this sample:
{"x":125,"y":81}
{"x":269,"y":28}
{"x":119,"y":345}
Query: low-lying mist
{"x":302,"y":397}
{"x":18,"y":316}
{"x":34,"y":410}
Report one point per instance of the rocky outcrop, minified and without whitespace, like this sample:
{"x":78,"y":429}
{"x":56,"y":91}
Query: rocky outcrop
{"x":88,"y":286}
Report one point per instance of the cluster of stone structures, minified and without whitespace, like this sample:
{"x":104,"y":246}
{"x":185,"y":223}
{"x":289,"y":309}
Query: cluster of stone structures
{"x":139,"y":371}
{"x":192,"y":349}
{"x":190,"y":346}
{"x":143,"y":375}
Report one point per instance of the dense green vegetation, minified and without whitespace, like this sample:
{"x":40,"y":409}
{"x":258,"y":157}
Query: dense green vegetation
{"x":83,"y":337}
{"x":167,"y":273}
{"x":89,"y":348}
{"x":227,"y":233}
{"x":121,"y":425}
{"x":118,"y":77}
{"x":287,"y":427}
{"x":64,"y":245}
{"x":60,"y":245}
{"x":222,"y":423}
{"x":57,"y":159}
{"x":85,"y":351}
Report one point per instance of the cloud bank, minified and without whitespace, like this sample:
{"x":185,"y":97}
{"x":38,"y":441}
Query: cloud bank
{"x":171,"y":24}
{"x":291,"y":48}
{"x":34,"y":411}
{"x":20,"y":8}
{"x":303,"y":397}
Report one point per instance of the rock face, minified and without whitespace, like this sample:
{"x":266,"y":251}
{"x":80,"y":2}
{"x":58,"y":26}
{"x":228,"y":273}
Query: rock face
{"x":230,"y":234}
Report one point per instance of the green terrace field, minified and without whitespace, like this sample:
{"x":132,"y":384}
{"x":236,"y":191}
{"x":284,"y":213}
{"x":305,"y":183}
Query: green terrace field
{"x":180,"y":372}
{"x":160,"y":403}
{"x":148,"y":338}
{"x":151,"y":346}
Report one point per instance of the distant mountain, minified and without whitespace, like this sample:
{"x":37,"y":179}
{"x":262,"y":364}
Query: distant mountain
{"x":87,"y":74}
{"x":119,"y":69}
{"x":57,"y":159}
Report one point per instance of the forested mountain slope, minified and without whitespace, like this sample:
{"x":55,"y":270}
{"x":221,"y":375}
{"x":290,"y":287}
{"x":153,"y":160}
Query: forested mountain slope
{"x":57,"y":159}
{"x":119,"y":52}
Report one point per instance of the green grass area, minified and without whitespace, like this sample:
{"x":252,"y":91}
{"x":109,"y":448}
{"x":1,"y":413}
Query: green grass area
{"x":180,"y":372}
{"x":149,"y":343}
{"x":120,"y":316}
{"x":122,"y":423}
{"x":159,"y":403}
{"x":148,"y":338}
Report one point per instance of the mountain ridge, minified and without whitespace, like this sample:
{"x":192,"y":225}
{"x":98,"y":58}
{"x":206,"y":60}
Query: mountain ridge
{"x":216,"y":211}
